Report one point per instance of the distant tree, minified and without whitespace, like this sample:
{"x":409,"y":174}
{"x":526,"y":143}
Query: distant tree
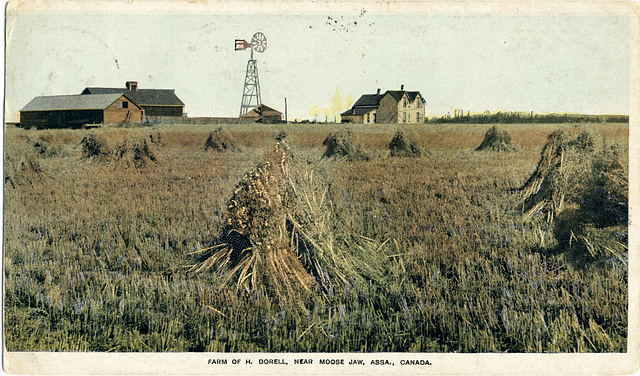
{"x":315,"y":112}
{"x":336,"y":106}
{"x":348,"y":102}
{"x":326,"y":112}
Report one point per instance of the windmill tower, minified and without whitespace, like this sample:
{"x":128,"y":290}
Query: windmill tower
{"x":251,"y":93}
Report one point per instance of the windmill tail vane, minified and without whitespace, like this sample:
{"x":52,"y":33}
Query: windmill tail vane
{"x":242,"y":44}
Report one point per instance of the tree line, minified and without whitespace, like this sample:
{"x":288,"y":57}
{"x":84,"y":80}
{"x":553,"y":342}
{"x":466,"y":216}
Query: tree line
{"x":522,"y":117}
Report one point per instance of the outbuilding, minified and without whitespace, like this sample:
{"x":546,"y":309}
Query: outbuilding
{"x":74,"y":111}
{"x":263,"y":114}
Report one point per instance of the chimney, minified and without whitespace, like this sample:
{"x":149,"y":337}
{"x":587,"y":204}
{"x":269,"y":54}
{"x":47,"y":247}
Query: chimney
{"x":132,"y":85}
{"x":378,"y":91}
{"x":401,"y":87}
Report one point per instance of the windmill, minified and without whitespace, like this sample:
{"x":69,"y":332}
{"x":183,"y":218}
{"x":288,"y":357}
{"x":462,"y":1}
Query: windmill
{"x":251,"y":93}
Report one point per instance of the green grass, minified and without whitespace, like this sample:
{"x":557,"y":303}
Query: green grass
{"x":96,"y":254}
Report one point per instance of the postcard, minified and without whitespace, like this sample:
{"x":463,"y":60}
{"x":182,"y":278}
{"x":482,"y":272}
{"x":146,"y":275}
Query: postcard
{"x":320,"y":187}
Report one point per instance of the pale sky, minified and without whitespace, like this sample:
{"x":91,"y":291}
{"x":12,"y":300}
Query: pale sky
{"x":474,"y":61}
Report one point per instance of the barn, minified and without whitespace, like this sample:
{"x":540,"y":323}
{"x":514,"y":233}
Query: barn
{"x":73,"y":111}
{"x":263,"y":114}
{"x":154,"y":102}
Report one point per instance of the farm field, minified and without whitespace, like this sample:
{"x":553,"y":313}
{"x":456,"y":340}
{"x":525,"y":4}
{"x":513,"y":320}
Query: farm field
{"x":435,"y":252}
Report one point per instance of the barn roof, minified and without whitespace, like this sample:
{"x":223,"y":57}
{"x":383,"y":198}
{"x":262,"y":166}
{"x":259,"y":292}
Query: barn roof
{"x":72,"y":102}
{"x":143,"y":97}
{"x":261,"y":110}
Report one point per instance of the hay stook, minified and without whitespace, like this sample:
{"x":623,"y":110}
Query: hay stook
{"x":341,"y":145}
{"x":136,"y":154}
{"x":584,"y":192}
{"x":279,"y":234}
{"x":220,"y":141}
{"x":95,"y":148}
{"x":404,"y":145}
{"x":496,"y":140}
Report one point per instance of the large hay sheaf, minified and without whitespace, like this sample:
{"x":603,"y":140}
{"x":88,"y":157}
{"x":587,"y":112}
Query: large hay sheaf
{"x":279,"y":234}
{"x":22,"y":169}
{"x":403,"y":145}
{"x":219,"y":140}
{"x":341,"y":145}
{"x":94,"y":147}
{"x":496,"y":140}
{"x":43,"y":148}
{"x":584,"y":192}
{"x":137,"y":154}
{"x":563,"y":168}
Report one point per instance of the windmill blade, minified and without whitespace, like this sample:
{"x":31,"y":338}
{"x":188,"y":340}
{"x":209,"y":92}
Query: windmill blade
{"x":242,"y":44}
{"x":259,"y":42}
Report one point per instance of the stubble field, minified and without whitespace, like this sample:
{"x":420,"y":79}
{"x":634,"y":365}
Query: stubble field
{"x":97,"y":251}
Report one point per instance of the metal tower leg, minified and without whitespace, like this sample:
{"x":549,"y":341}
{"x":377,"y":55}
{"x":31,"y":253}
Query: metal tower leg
{"x":251,"y":94}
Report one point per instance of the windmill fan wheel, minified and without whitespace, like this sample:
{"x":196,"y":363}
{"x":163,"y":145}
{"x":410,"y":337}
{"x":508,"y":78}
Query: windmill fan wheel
{"x":259,"y":42}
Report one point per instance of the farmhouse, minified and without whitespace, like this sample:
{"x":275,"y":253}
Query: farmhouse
{"x":263,"y":114}
{"x":394,"y":106}
{"x":73,"y":111}
{"x":154,"y":102}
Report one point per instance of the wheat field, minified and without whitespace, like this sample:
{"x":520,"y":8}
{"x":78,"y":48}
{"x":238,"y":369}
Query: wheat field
{"x":102,"y":229}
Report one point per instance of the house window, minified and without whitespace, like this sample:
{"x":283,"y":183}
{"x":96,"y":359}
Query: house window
{"x":404,"y":117}
{"x":368,"y":118}
{"x":404,"y":102}
{"x":409,"y":117}
{"x":125,"y":104}
{"x":374,"y":117}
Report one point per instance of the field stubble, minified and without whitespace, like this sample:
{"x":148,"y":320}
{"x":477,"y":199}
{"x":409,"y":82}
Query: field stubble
{"x":95,"y":255}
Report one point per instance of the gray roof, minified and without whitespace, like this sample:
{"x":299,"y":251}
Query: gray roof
{"x":71,"y":102}
{"x":143,"y":97}
{"x":262,"y":110}
{"x":357,"y":111}
{"x":372,"y":100}
{"x":411,"y":95}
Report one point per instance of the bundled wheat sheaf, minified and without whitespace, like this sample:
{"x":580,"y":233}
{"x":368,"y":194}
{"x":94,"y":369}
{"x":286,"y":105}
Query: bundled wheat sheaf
{"x":137,"y":154}
{"x":94,"y":147}
{"x":22,"y":169}
{"x":219,"y":140}
{"x":563,"y":168}
{"x":496,"y":140}
{"x":280,"y":234}
{"x":341,"y":145}
{"x":583,"y":189}
{"x":403,"y":145}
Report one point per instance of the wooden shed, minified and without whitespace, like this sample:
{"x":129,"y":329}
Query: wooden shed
{"x":263,"y":114}
{"x":73,"y":111}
